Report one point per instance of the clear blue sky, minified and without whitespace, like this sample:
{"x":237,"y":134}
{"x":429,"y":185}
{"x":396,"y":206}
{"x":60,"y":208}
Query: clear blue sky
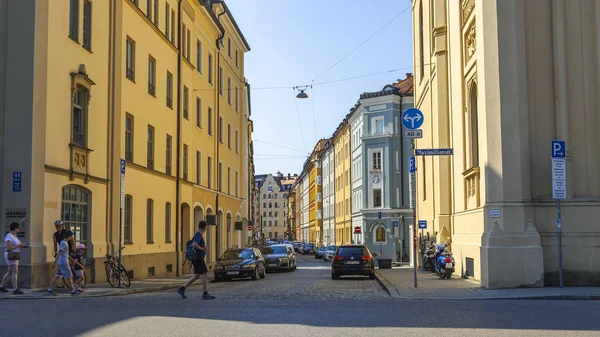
{"x":292,"y":43}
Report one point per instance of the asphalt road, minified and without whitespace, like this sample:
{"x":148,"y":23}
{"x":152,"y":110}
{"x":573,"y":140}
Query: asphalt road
{"x":302,"y":303}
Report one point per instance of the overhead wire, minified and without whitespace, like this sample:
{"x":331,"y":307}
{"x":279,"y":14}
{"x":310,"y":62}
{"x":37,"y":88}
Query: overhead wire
{"x":281,"y":146}
{"x":312,"y":98}
{"x":300,"y":122}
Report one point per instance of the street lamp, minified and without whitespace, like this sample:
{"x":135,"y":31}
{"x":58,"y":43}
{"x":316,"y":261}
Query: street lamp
{"x":302,"y":94}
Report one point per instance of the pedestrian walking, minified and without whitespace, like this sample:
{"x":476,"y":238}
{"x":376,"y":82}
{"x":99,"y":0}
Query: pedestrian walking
{"x":62,"y":259}
{"x":199,"y":264}
{"x":12,"y":255}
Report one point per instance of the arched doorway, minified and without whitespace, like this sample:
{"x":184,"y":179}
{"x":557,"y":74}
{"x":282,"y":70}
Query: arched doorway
{"x":198,"y":216}
{"x":186,"y":225}
{"x":210,"y":233}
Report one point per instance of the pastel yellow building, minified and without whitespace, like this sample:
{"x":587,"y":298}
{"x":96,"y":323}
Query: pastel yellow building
{"x":315,"y":187}
{"x":157,"y":83}
{"x":343,"y":191}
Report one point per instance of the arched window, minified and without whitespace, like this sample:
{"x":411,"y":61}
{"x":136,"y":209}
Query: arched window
{"x":276,"y":235}
{"x":380,"y":237}
{"x":473,"y":112}
{"x":228,"y":222}
{"x":127,"y":229}
{"x":74,"y":212}
{"x":421,"y":42}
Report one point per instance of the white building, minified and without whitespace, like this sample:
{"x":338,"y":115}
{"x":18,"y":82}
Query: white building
{"x":327,"y":158}
{"x":356,"y":150}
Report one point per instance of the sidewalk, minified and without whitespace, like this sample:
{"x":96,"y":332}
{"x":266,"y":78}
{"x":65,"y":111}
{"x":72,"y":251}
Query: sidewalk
{"x":104,"y":289}
{"x":398,"y":282}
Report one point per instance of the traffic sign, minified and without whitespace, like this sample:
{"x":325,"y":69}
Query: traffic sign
{"x":422,"y":224}
{"x":412,"y":134}
{"x":559,"y":169}
{"x":249,"y":228}
{"x":412,"y":164}
{"x":413,"y":189}
{"x":434,"y":152}
{"x":378,"y":215}
{"x":412,"y":118}
{"x":559,"y":149}
{"x":16,"y":181}
{"x":357,"y":230}
{"x":123,"y":164}
{"x":559,"y":189}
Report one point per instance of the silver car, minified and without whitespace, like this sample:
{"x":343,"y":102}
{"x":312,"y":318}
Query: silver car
{"x":329,"y":252}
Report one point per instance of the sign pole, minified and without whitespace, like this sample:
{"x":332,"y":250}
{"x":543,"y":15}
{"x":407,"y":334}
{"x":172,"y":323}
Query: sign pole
{"x":560,"y":268}
{"x":559,"y":191}
{"x":121,"y":221}
{"x":415,"y":222}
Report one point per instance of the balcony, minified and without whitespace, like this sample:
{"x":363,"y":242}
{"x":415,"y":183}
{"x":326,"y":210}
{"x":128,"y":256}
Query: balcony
{"x":472,"y":190}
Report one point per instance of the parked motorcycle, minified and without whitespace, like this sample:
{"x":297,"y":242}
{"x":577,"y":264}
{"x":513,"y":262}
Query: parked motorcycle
{"x":444,"y":262}
{"x":429,"y":258}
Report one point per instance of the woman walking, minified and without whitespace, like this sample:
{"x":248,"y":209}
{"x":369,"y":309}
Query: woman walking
{"x":12,"y":255}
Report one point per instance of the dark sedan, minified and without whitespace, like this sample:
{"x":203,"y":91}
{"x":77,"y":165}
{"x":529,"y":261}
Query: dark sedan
{"x":352,"y":260}
{"x":279,"y":257}
{"x":309,"y":248}
{"x":240,"y":263}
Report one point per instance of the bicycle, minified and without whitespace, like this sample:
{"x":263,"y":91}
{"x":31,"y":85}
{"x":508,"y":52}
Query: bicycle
{"x":115,"y":270}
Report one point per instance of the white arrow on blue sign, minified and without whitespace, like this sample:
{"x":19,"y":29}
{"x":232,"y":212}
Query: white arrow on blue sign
{"x":412,"y":166}
{"x":412,"y":118}
{"x":559,"y":149}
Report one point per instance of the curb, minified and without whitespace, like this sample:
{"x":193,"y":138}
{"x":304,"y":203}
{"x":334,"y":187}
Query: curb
{"x":387,"y":286}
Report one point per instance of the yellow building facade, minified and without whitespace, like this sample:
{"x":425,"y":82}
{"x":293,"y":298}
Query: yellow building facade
{"x":315,"y":187}
{"x":157,"y":83}
{"x":343,"y":188}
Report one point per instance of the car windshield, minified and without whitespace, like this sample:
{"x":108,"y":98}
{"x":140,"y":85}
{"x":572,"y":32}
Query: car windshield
{"x":321,"y":249}
{"x":331,"y":248}
{"x":238,"y":254}
{"x":352,"y":251}
{"x":274,"y":250}
{"x":308,"y":245}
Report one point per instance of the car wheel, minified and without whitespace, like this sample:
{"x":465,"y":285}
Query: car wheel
{"x":334,"y":276}
{"x":255,"y":276}
{"x":263,"y":274}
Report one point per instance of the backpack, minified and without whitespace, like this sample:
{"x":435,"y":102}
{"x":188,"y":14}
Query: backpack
{"x":190,"y":251}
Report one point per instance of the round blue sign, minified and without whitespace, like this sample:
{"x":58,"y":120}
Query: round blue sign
{"x":412,"y":118}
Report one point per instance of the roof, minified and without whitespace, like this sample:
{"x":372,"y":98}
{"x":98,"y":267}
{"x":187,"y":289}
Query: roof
{"x":406,"y":85}
{"x":237,"y":28}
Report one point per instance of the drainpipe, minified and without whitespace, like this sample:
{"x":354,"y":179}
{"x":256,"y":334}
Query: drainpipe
{"x":401,"y":154}
{"x":218,"y":100}
{"x":178,"y":155}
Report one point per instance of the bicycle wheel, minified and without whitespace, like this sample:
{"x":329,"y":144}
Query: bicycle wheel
{"x":125,"y":280}
{"x":111,"y":275}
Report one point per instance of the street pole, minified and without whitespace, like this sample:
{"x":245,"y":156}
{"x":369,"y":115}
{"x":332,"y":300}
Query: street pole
{"x":120,"y":245}
{"x":560,"y":268}
{"x":415,"y":222}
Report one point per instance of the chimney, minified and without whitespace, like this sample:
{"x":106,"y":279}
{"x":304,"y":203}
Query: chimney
{"x":409,"y":75}
{"x":289,"y":176}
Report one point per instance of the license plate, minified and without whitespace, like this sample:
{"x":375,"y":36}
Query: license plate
{"x":448,"y":265}
{"x":352,"y":262}
{"x":233,"y":273}
{"x":272,"y":265}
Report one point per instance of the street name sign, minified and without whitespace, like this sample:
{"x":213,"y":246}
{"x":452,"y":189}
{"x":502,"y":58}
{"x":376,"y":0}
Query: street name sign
{"x":412,"y":118}
{"x":434,"y":152}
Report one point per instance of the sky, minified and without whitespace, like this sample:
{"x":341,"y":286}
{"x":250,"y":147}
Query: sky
{"x":292,"y":43}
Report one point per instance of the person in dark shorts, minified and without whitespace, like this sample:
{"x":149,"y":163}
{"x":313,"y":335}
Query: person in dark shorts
{"x":199,"y":264}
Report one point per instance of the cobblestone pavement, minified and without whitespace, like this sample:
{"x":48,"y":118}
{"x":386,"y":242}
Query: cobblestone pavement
{"x":312,"y":280}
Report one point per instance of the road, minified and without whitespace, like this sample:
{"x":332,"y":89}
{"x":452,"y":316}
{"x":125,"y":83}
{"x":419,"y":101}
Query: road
{"x":302,"y":303}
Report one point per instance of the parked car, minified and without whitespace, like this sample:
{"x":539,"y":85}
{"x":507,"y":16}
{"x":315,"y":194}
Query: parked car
{"x":352,"y":260}
{"x":301,"y":248}
{"x":330,"y":252}
{"x":240,"y":263}
{"x":279,"y":257}
{"x":297,"y":246}
{"x":309,"y":248}
{"x":320,"y":252}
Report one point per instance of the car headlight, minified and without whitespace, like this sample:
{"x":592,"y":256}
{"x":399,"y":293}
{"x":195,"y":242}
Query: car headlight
{"x":219,"y":267}
{"x":249,"y":266}
{"x":284,"y":259}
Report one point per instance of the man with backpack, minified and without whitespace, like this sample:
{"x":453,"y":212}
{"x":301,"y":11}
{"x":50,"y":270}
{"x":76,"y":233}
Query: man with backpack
{"x":196,"y":256}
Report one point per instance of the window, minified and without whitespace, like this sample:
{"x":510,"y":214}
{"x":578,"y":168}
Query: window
{"x":129,"y":138}
{"x":210,"y":69}
{"x":236,"y":142}
{"x":185,"y":162}
{"x":378,"y":126}
{"x":199,"y":56}
{"x":156,"y":13}
{"x":198,"y":112}
{"x":74,"y":21}
{"x":149,"y":9}
{"x":236,"y":98}
{"x":229,"y":136}
{"x":380,"y":235}
{"x":172,"y":26}
{"x":209,"y":166}
{"x":167,"y":21}
{"x":87,"y":25}
{"x":474,"y":132}
{"x":275,"y":197}
{"x":149,"y":220}
{"x":377,"y":198}
{"x":169,"y":155}
{"x":221,"y":81}
{"x":80,"y":106}
{"x":186,"y":102}
{"x":152,"y":76}
{"x":421,"y":48}
{"x":168,"y":222}
{"x":220,"y":177}
{"x":127,"y":230}
{"x":229,"y":90}
{"x":198,"y":166}
{"x":377,"y":160}
{"x":169,"y":90}
{"x":220,"y":130}
{"x":130,"y":62}
{"x":74,"y":212}
{"x":229,"y":47}
{"x":236,"y":182}
{"x":264,"y":214}
{"x":150,"y":154}
{"x":210,"y":125}
{"x":237,"y":64}
{"x":183,"y":42}
{"x":229,"y":180}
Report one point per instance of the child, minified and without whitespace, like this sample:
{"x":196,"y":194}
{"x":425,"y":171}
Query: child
{"x":78,"y":267}
{"x":62,"y":259}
